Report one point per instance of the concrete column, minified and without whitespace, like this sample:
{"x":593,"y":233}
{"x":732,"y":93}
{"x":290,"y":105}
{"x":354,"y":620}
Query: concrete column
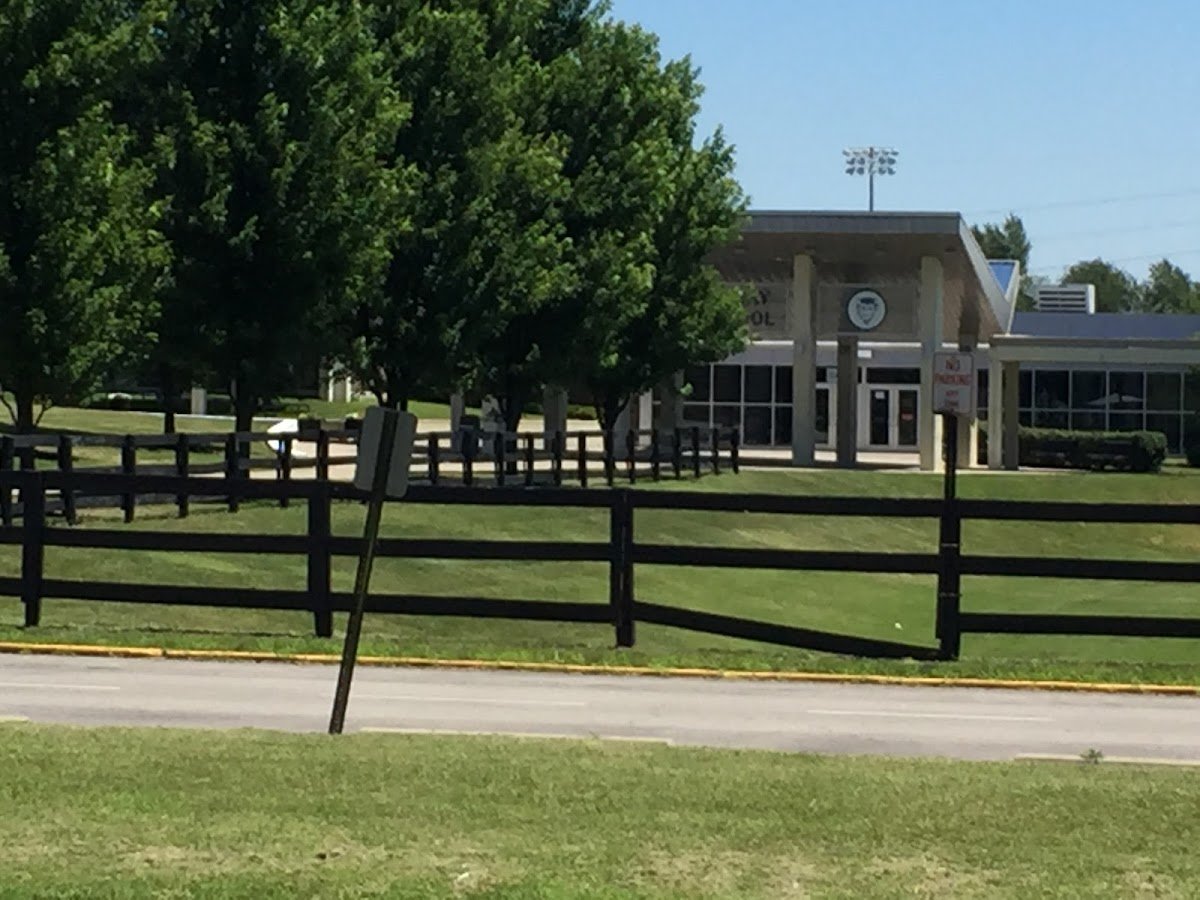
{"x":929,"y":316}
{"x":847,"y":402}
{"x":995,"y":417}
{"x":968,"y":430}
{"x":199,"y":401}
{"x":1012,"y":396}
{"x":622,"y":425}
{"x":554,"y":412}
{"x":340,"y":389}
{"x":801,"y":319}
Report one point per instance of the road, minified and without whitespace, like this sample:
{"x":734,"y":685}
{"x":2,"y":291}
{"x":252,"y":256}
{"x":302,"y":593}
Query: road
{"x":825,"y":718}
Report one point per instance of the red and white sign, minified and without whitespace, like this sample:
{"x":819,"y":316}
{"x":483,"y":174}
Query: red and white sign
{"x":954,"y":384}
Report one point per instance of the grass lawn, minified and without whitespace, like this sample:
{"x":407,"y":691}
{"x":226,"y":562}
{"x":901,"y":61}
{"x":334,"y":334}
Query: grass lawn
{"x":113,"y":813}
{"x":884,"y":606}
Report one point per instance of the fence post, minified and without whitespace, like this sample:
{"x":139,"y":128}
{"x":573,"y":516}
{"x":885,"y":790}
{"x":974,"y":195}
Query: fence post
{"x":469,"y":445}
{"x":716,"y":450}
{"x":232,"y":465}
{"x":677,"y":451}
{"x":610,"y":463}
{"x":620,"y":578}
{"x":498,"y":448}
{"x":528,"y":460}
{"x":655,"y":469}
{"x":696,"y":450}
{"x":949,"y":579}
{"x":434,"y":459}
{"x":285,"y":469}
{"x":631,"y":455}
{"x":557,"y":451}
{"x":320,"y":504}
{"x":66,"y":465}
{"x":735,"y":442}
{"x":7,"y":455}
{"x":322,"y":454}
{"x":183,"y":459}
{"x":33,"y":556}
{"x":129,"y":469}
{"x":581,"y":442}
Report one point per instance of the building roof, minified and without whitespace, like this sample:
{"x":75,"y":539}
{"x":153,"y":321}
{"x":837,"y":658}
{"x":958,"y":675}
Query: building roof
{"x":1106,"y":326}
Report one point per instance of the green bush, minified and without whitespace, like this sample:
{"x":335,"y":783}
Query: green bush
{"x":1130,"y":451}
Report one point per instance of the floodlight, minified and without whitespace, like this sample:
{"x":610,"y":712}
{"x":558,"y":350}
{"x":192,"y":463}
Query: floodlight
{"x":870,"y":161}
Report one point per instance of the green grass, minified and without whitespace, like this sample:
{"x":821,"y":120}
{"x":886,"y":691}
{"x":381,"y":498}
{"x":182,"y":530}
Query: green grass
{"x":881,"y":606}
{"x":124,"y":814}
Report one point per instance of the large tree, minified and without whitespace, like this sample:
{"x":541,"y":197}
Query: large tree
{"x":1169,"y":289}
{"x":1116,"y":289}
{"x":279,"y":112}
{"x":482,"y":245}
{"x":81,"y":256}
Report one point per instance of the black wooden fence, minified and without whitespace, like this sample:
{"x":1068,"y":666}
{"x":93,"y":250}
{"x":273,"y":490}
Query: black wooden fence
{"x":467,"y":457}
{"x":622,"y":552}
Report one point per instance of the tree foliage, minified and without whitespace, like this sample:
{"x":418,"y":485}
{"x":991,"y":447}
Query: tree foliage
{"x":81,"y":256}
{"x":1169,"y":289}
{"x":1009,"y":240}
{"x":1116,"y":289}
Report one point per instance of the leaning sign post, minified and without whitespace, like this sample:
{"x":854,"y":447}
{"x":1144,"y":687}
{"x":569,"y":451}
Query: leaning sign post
{"x":384,"y":453}
{"x":953,"y":399}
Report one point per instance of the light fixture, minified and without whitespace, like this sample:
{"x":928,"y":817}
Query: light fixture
{"x":870,"y":161}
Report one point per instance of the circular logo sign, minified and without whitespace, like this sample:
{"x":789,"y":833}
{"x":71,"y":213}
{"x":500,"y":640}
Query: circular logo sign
{"x":866,"y":310}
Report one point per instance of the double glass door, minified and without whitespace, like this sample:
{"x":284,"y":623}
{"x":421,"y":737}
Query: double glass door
{"x":889,"y":417}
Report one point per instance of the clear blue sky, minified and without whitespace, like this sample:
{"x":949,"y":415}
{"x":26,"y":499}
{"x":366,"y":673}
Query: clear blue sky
{"x":1081,"y":117}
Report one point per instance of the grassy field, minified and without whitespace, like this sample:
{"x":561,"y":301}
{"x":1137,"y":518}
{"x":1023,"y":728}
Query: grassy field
{"x":884,"y":606}
{"x":125,"y":814}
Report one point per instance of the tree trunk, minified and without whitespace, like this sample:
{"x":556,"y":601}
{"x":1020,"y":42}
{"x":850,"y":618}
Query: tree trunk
{"x":609,"y":409}
{"x":166,"y":383}
{"x":24,"y":423}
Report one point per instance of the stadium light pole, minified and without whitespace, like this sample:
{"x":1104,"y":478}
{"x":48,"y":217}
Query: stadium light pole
{"x":870,"y":161}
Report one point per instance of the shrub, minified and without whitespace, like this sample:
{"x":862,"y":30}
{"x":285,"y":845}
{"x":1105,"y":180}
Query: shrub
{"x":1132,"y":451}
{"x":1193,"y":454}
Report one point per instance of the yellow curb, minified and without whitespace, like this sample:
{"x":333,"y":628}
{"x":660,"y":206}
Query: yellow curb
{"x":950,"y":681}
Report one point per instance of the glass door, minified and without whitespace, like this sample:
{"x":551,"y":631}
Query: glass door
{"x":879,"y":417}
{"x":906,"y":417}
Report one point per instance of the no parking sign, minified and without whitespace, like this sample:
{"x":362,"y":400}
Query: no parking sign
{"x":954,"y":384}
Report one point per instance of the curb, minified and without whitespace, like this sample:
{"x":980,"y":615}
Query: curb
{"x":95,"y":650}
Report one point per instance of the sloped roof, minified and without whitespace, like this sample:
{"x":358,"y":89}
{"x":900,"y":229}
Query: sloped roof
{"x":1106,"y":326}
{"x":1003,"y":269}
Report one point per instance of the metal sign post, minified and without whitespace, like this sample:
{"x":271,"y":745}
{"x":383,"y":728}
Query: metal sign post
{"x":384,"y":453}
{"x":953,"y":399}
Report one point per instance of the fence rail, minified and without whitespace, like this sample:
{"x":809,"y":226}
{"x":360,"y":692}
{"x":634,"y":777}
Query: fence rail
{"x":622,"y":553}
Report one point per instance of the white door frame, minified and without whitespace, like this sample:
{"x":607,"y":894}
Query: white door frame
{"x":864,"y":416}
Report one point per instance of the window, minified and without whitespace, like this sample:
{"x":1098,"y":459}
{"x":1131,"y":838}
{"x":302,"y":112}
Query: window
{"x":884,"y":375}
{"x":1170,"y":424}
{"x":1164,"y":391}
{"x":757,"y":426}
{"x":783,"y":426}
{"x":1025,"y":389}
{"x":727,"y":416}
{"x":727,"y":384}
{"x":1051,"y":389}
{"x":1191,"y":392}
{"x":1088,"y":389}
{"x":758,"y":384}
{"x":1127,"y":390}
{"x":783,"y":384}
{"x":698,"y":377}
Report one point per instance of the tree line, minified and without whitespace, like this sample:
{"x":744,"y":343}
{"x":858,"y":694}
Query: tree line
{"x":435,"y":195}
{"x":1166,"y":289}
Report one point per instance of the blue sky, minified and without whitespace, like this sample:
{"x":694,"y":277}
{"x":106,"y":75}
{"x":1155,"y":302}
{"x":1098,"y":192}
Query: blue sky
{"x":1081,"y":117}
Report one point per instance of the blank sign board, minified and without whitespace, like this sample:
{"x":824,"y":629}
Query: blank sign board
{"x":370,"y":444}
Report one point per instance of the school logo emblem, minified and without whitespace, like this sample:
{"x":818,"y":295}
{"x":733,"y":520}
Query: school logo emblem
{"x":866,"y":310}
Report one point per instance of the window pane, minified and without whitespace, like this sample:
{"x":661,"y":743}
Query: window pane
{"x":1171,"y":426}
{"x":1191,"y":391}
{"x":783,"y":384}
{"x":1124,"y":421}
{"x":1049,"y":419}
{"x":1088,"y":389}
{"x":1087,"y":421}
{"x":883,"y":375}
{"x":1126,"y":390}
{"x":696,"y":414}
{"x":822,"y":419}
{"x":822,"y":374}
{"x":1024,"y":417}
{"x":697,"y":377}
{"x":981,"y":379}
{"x":783,"y":426}
{"x":1050,"y":388}
{"x":727,"y":416}
{"x":757,"y":429}
{"x":727,"y":384}
{"x":1163,"y":390}
{"x":1025,"y":392}
{"x":758,"y":384}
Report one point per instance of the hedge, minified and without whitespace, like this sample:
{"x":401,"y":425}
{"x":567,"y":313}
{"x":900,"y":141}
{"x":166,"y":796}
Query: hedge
{"x":1130,"y":451}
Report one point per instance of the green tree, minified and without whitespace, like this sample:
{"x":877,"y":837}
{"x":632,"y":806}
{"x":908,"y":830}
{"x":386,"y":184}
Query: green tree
{"x":279,"y":112}
{"x":81,"y":256}
{"x":482,"y":243}
{"x":1009,"y":240}
{"x":1116,"y":289}
{"x":1169,"y":289}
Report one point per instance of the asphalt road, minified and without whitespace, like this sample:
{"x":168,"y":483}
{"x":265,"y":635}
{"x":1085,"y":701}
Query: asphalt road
{"x":826,"y":718}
